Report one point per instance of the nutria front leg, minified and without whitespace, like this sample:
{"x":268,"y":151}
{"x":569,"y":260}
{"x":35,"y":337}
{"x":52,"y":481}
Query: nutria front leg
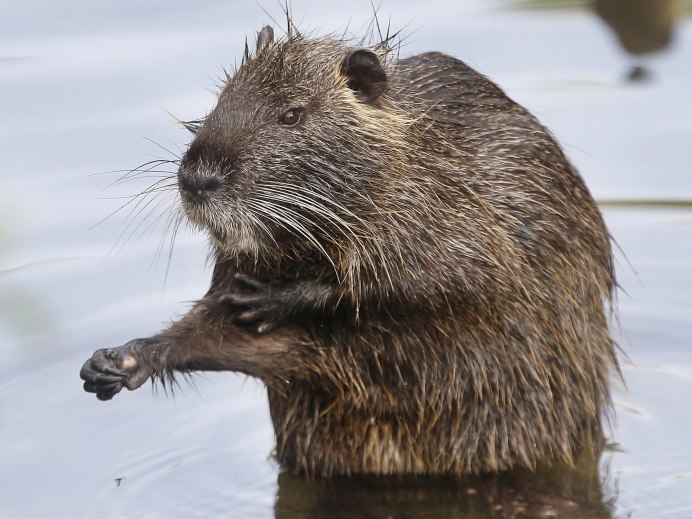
{"x":206,"y":339}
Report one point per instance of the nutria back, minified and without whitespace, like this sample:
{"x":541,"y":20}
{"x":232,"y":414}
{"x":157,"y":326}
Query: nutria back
{"x":404,"y":256}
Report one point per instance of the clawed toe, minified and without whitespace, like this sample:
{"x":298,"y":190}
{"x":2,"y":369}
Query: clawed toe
{"x":106,"y":381}
{"x":250,"y":283}
{"x":241,"y":299}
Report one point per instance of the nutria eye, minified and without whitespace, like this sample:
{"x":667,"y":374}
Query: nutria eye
{"x":291,"y":117}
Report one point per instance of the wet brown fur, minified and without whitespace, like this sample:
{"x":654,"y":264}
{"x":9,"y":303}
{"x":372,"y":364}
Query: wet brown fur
{"x":445,"y":275}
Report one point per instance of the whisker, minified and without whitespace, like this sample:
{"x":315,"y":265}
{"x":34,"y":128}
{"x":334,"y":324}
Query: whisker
{"x":170,"y":220}
{"x":158,"y":189}
{"x":174,"y":220}
{"x":138,"y":199}
{"x":312,"y":200}
{"x":129,"y":231}
{"x":278,"y":214}
{"x":147,"y":167}
{"x":161,"y":146}
{"x":138,"y":168}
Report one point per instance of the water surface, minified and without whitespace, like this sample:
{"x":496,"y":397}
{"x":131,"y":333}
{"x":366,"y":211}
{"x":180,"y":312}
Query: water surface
{"x":85,"y":89}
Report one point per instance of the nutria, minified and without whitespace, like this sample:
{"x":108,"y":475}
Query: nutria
{"x":405,"y":258}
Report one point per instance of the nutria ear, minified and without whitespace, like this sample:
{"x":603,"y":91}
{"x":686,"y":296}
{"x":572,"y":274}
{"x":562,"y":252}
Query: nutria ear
{"x":264,"y":38}
{"x":365,"y":74}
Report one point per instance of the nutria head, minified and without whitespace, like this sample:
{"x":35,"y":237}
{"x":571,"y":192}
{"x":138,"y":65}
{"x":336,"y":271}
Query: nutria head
{"x":287,"y":151}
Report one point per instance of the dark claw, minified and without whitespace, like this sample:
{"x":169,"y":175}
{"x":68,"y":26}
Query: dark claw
{"x":101,"y":379}
{"x":250,"y":283}
{"x":109,"y":393}
{"x":250,"y":316}
{"x":242,"y":299}
{"x":266,"y":327}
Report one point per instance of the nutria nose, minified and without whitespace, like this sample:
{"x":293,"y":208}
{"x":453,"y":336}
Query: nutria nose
{"x":199,"y":188}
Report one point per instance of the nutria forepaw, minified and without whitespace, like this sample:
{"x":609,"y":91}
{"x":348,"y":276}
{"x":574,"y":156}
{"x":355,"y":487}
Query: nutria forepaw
{"x":109,"y":370}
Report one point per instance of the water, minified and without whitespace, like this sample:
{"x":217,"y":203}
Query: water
{"x":84,"y":89}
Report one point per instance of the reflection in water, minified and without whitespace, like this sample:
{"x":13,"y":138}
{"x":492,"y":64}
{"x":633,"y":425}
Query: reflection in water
{"x":642,"y":26}
{"x":551,"y":492}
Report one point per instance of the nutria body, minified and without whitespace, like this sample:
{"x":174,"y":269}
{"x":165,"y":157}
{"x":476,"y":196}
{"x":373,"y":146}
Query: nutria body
{"x":405,"y":258}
